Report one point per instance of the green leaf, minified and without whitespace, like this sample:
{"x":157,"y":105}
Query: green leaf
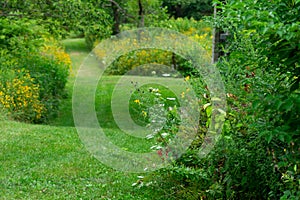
{"x":269,"y":138}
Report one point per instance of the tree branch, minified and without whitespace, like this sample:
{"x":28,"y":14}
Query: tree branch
{"x":121,"y":9}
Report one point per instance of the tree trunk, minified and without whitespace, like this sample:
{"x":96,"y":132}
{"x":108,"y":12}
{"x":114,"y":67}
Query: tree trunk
{"x":117,"y":20}
{"x":178,"y":11}
{"x":141,"y":22}
{"x":216,"y":40}
{"x":219,"y":36}
{"x":174,"y":63}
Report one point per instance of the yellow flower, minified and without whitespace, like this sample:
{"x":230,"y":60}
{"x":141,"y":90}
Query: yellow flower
{"x":144,"y":113}
{"x":182,"y":95}
{"x":187,"y":78}
{"x":137,"y":101}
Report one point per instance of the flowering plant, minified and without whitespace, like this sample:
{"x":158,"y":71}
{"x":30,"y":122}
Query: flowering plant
{"x":19,"y":96}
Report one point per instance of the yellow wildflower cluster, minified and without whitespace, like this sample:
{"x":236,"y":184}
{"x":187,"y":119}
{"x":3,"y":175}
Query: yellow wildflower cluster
{"x":204,"y":38}
{"x":142,"y":57}
{"x":20,"y":97}
{"x":131,"y":57}
{"x":190,"y":31}
{"x":53,"y":49}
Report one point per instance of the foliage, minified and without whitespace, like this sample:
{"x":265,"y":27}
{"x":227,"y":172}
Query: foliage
{"x":258,"y":154}
{"x":53,"y":49}
{"x":62,"y":18}
{"x":27,"y":46}
{"x":153,"y":12}
{"x":138,"y":58}
{"x":51,"y":76}
{"x":19,"y":95}
{"x":198,"y":31}
{"x":271,"y":31}
{"x":274,"y":25}
{"x":189,"y":8}
{"x":154,"y":107}
{"x":96,"y":25}
{"x":20,"y":36}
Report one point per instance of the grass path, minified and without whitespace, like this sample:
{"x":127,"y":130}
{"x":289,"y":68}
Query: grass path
{"x":50,"y":162}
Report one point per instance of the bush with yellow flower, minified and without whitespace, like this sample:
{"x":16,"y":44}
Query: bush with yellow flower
{"x":19,"y":96}
{"x":34,"y":71}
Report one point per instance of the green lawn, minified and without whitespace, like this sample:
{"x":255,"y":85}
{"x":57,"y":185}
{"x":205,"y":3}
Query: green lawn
{"x":50,"y":161}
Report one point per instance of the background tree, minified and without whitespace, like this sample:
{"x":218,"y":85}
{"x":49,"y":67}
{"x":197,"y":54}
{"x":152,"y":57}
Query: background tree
{"x":146,"y":12}
{"x":189,"y":8}
{"x":59,"y":17}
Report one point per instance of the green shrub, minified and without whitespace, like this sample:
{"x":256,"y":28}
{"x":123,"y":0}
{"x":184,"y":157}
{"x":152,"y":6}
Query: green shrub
{"x":19,"y":96}
{"x":258,"y":154}
{"x":134,"y":59}
{"x":50,"y":76}
{"x":19,"y":36}
{"x":264,"y":64}
{"x":27,"y":47}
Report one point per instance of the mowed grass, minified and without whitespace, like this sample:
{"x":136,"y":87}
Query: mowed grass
{"x":51,"y":162}
{"x":47,"y":162}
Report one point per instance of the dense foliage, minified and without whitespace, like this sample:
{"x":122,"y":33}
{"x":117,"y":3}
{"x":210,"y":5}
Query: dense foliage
{"x":196,"y":9}
{"x":258,"y":155}
{"x":264,"y":60}
{"x":27,"y":32}
{"x":60,"y":18}
{"x":34,"y":70}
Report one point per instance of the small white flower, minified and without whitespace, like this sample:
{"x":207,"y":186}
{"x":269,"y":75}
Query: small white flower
{"x":164,"y":135}
{"x":150,"y":183}
{"x":153,"y":147}
{"x":171,"y":98}
{"x":134,"y":184}
{"x":150,"y":136}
